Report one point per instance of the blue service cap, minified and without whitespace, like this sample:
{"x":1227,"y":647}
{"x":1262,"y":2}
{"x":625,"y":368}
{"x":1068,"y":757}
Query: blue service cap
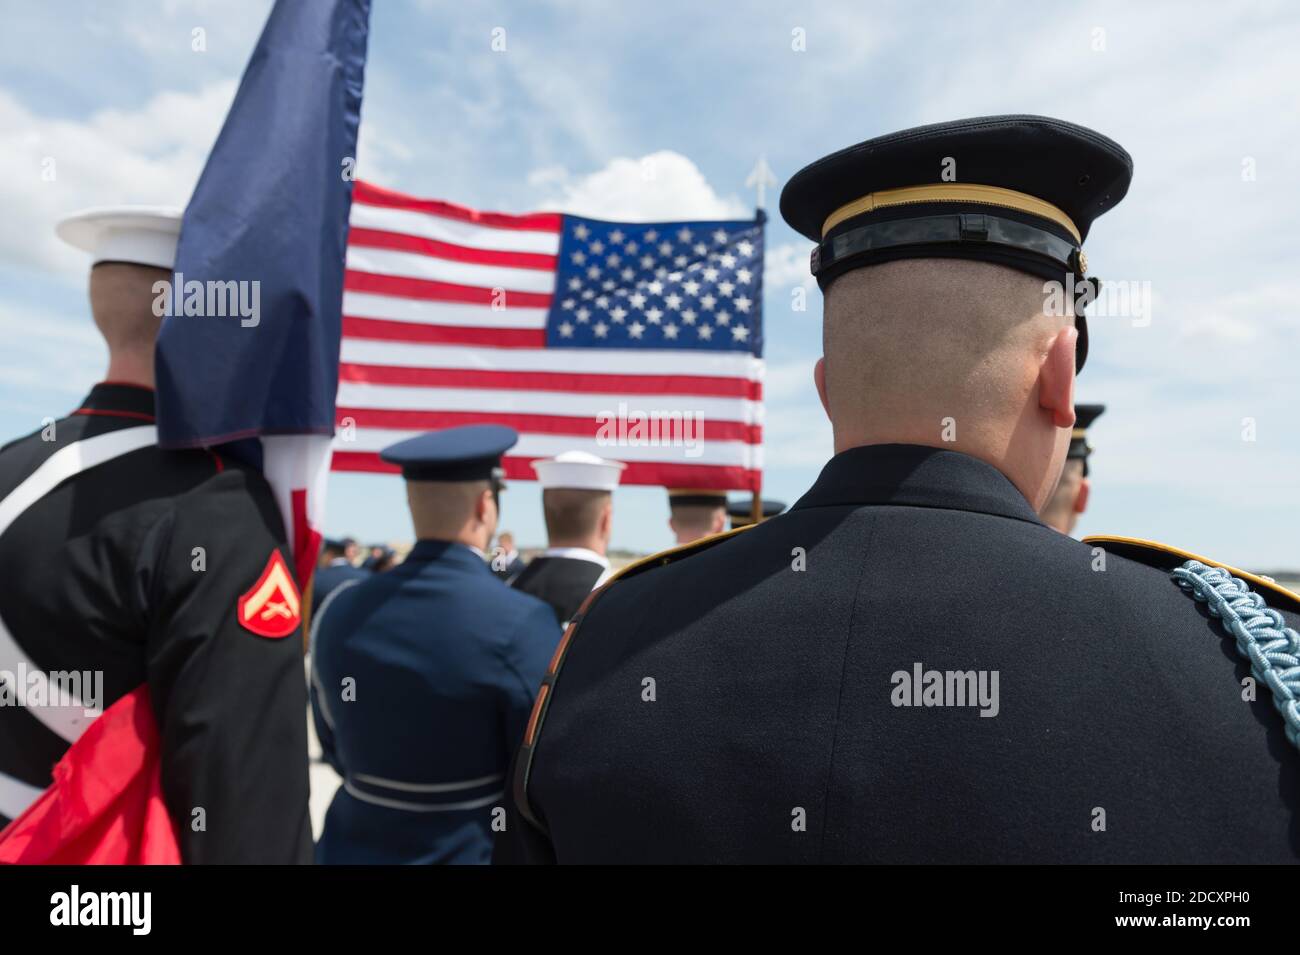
{"x":469,"y":453}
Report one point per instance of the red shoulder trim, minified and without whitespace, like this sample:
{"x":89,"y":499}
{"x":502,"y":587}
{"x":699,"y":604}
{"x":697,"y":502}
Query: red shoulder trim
{"x":137,"y":415}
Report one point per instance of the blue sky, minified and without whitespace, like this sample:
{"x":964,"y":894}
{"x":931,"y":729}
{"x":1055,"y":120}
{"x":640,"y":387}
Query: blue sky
{"x":1202,"y":95}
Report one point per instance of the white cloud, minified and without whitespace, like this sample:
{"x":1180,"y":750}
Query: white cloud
{"x":796,"y":432}
{"x":662,"y":185}
{"x":787,"y":266}
{"x":45,"y":364}
{"x":149,"y":155}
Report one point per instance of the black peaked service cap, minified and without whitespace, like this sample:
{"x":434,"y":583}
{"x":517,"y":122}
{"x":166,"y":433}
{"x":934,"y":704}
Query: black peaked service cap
{"x":1018,"y":191}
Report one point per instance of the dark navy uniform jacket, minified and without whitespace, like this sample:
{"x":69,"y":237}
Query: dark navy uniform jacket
{"x":422,"y":680}
{"x":771,"y":730}
{"x":103,"y":573}
{"x":563,"y":582}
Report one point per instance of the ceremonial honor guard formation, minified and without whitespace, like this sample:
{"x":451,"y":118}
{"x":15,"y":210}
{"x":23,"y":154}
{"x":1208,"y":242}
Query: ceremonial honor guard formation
{"x":909,"y":659}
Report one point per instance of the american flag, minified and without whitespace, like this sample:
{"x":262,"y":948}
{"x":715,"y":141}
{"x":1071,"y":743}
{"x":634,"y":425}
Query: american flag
{"x":560,"y":327}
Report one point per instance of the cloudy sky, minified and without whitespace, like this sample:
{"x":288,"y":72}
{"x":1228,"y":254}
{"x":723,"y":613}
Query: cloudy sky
{"x":1201,"y":443}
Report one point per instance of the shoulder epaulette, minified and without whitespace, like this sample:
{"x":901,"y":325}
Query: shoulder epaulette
{"x":524,"y":761}
{"x":1263,"y":637}
{"x":674,"y":554}
{"x":1166,"y":557}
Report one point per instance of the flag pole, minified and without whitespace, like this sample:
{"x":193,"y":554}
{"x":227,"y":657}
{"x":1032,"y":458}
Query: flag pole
{"x":759,"y":179}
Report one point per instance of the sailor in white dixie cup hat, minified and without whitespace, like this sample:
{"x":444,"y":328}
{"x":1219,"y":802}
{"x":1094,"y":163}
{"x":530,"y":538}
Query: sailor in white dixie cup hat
{"x":577,"y":497}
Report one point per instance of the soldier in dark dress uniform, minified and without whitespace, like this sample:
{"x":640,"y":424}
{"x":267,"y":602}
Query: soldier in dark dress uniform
{"x":159,"y":569}
{"x":695,"y":513}
{"x":578,"y":499}
{"x":1070,"y":499}
{"x":741,"y":512}
{"x":423,"y":676}
{"x":908,"y":666}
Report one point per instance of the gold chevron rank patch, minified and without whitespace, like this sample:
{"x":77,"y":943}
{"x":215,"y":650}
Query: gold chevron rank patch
{"x":271,"y":607}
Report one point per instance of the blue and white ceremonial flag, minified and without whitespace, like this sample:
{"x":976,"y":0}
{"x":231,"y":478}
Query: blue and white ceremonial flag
{"x":249,"y":347}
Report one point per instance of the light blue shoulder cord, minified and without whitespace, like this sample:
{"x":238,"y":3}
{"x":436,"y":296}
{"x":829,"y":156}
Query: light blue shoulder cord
{"x":1263,"y":637}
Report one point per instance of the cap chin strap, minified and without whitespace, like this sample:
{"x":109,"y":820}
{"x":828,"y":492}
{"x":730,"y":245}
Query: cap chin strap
{"x":856,"y":246}
{"x":975,"y":229}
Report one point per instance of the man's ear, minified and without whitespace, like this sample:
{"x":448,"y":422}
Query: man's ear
{"x":1081,"y":498}
{"x":1056,"y":378}
{"x":606,"y":527}
{"x":485,"y":506}
{"x":819,"y":379}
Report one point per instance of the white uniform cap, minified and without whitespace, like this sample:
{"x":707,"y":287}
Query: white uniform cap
{"x":579,"y":470}
{"x":143,"y":235}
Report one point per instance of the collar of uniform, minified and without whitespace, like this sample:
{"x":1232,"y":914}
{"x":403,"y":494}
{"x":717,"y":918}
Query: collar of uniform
{"x":576,"y":553}
{"x":431,"y":549}
{"x":915,"y":476}
{"x":117,"y":399}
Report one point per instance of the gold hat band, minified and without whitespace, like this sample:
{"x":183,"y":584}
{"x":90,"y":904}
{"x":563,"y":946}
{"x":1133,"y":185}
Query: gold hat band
{"x":953,"y":192}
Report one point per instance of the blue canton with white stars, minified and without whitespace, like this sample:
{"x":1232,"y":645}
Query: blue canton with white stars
{"x":675,"y":285}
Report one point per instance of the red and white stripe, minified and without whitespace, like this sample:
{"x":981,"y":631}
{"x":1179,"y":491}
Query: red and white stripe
{"x":444,"y":324}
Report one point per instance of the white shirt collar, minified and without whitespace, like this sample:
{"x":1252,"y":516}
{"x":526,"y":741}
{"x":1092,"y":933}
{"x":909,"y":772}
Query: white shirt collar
{"x":576,"y":553}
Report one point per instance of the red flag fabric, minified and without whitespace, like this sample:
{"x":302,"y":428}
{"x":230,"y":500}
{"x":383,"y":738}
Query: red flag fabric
{"x":105,"y":806}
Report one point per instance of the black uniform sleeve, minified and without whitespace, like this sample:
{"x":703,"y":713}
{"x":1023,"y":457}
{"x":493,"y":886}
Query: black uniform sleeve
{"x":231,"y":704}
{"x":521,"y":842}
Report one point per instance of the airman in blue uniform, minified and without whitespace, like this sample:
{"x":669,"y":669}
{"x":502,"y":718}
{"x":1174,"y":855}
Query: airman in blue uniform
{"x":423,"y":676}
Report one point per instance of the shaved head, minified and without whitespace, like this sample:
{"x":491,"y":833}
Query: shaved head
{"x":952,"y":354}
{"x":121,"y":300}
{"x":453,"y":510}
{"x":690,"y":522}
{"x":574,"y":515}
